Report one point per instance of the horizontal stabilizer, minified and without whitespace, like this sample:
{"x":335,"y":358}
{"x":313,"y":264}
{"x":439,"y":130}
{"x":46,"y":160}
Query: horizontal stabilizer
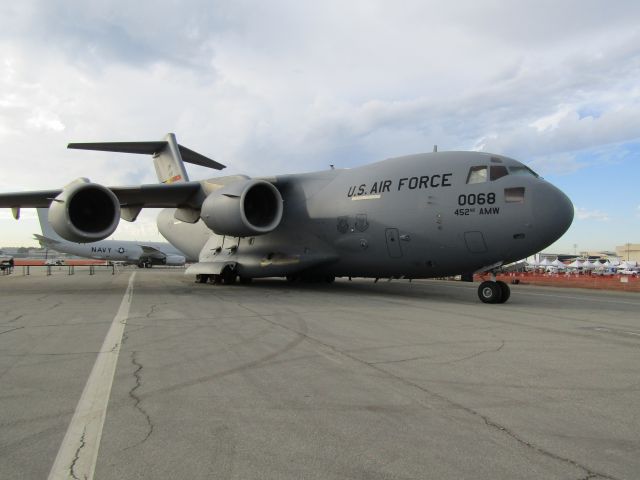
{"x":45,"y":241}
{"x":152,"y":252}
{"x":149,"y":148}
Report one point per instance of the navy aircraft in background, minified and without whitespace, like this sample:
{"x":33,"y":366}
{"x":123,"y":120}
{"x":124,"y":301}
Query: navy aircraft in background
{"x":418,"y":216}
{"x":143,"y":254}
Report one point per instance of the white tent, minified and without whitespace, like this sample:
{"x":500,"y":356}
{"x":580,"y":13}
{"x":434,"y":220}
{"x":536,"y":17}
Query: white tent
{"x":557,"y":263}
{"x":544,"y":263}
{"x":587,"y":265}
{"x":575,"y":264}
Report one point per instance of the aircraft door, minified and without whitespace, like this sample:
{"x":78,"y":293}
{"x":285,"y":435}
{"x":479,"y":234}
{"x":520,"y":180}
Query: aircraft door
{"x":393,"y":243}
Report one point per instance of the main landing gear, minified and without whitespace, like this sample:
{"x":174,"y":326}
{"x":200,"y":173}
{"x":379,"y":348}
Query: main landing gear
{"x":495,"y":291}
{"x":228,"y":276}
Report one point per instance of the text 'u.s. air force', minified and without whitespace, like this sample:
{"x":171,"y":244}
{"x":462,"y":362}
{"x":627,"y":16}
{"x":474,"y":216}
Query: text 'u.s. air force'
{"x":406,"y":183}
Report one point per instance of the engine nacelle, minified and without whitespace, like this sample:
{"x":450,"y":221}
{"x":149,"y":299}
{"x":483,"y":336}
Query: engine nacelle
{"x":242,"y":209}
{"x":84,"y":212}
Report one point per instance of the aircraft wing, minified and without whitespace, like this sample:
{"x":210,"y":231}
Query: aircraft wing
{"x":148,"y":196}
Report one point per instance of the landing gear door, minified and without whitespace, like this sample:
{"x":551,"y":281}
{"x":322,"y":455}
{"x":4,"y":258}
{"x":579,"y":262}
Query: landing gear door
{"x":393,"y":243}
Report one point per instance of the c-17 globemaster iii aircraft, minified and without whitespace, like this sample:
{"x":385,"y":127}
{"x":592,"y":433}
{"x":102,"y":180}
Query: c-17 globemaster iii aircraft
{"x":143,"y":254}
{"x":418,"y":216}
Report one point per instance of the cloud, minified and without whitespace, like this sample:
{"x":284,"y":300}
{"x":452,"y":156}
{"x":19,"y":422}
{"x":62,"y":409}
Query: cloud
{"x":585,"y":214}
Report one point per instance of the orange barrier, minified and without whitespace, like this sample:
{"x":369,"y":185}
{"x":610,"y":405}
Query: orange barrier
{"x":626,"y":283}
{"x":77,"y":262}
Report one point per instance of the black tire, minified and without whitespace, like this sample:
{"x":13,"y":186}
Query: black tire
{"x":215,"y":279}
{"x":490,"y":292}
{"x":228,"y":276}
{"x":201,"y":278}
{"x":506,"y":291}
{"x":330,"y":279}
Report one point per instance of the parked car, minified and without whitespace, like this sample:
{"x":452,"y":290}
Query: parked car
{"x":54,"y":261}
{"x":603,"y":272}
{"x":629,"y":272}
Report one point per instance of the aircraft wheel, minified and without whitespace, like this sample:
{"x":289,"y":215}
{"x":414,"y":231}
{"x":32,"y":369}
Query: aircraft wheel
{"x":490,"y":292}
{"x":330,"y":279}
{"x":201,"y":278}
{"x":228,"y":276}
{"x":504,"y":290}
{"x":215,"y":279}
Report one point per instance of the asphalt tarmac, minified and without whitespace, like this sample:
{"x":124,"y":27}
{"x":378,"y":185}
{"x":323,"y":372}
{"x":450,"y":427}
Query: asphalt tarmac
{"x":355,"y":380}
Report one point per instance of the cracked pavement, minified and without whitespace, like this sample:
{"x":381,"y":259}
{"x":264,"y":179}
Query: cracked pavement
{"x":392,"y":380}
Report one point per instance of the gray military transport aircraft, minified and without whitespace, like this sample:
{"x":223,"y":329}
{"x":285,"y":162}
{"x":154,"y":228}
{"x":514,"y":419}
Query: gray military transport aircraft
{"x":418,"y":216}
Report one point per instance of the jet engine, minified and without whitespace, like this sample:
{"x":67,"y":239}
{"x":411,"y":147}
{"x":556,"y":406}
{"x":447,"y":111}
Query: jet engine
{"x":242,"y":209}
{"x":84,"y":212}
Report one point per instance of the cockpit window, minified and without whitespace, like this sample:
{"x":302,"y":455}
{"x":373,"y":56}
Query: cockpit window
{"x":523,"y":170}
{"x":477,"y":175}
{"x":497,"y":171}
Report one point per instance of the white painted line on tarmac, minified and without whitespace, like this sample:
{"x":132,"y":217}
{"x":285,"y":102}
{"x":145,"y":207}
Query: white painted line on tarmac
{"x":79,"y":450}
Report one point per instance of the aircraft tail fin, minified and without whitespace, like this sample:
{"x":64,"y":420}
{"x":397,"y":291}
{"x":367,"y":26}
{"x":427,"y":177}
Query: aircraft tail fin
{"x":47,"y":230}
{"x":168,"y":156}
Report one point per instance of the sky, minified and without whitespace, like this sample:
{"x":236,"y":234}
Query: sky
{"x":290,"y":86}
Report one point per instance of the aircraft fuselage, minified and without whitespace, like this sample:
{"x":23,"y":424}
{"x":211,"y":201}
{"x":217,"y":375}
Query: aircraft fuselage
{"x":418,"y":216}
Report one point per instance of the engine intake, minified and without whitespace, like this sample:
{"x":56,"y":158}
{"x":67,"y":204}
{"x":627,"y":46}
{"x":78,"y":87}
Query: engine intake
{"x":84,"y":212}
{"x":242,"y":209}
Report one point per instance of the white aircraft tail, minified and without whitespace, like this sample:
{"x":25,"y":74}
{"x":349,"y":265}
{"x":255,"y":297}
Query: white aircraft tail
{"x":47,"y":230}
{"x":168,"y":156}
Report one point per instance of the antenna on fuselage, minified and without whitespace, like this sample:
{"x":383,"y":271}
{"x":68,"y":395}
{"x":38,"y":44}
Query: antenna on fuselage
{"x":435,"y":149}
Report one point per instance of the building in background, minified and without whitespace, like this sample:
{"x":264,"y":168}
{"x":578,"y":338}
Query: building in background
{"x":629,"y":251}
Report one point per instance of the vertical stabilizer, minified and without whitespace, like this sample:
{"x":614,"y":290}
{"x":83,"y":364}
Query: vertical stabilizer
{"x":168,"y":162}
{"x":45,"y":226}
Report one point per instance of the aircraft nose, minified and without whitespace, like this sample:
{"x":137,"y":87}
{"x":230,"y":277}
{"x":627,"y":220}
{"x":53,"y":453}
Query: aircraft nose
{"x":553,"y":212}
